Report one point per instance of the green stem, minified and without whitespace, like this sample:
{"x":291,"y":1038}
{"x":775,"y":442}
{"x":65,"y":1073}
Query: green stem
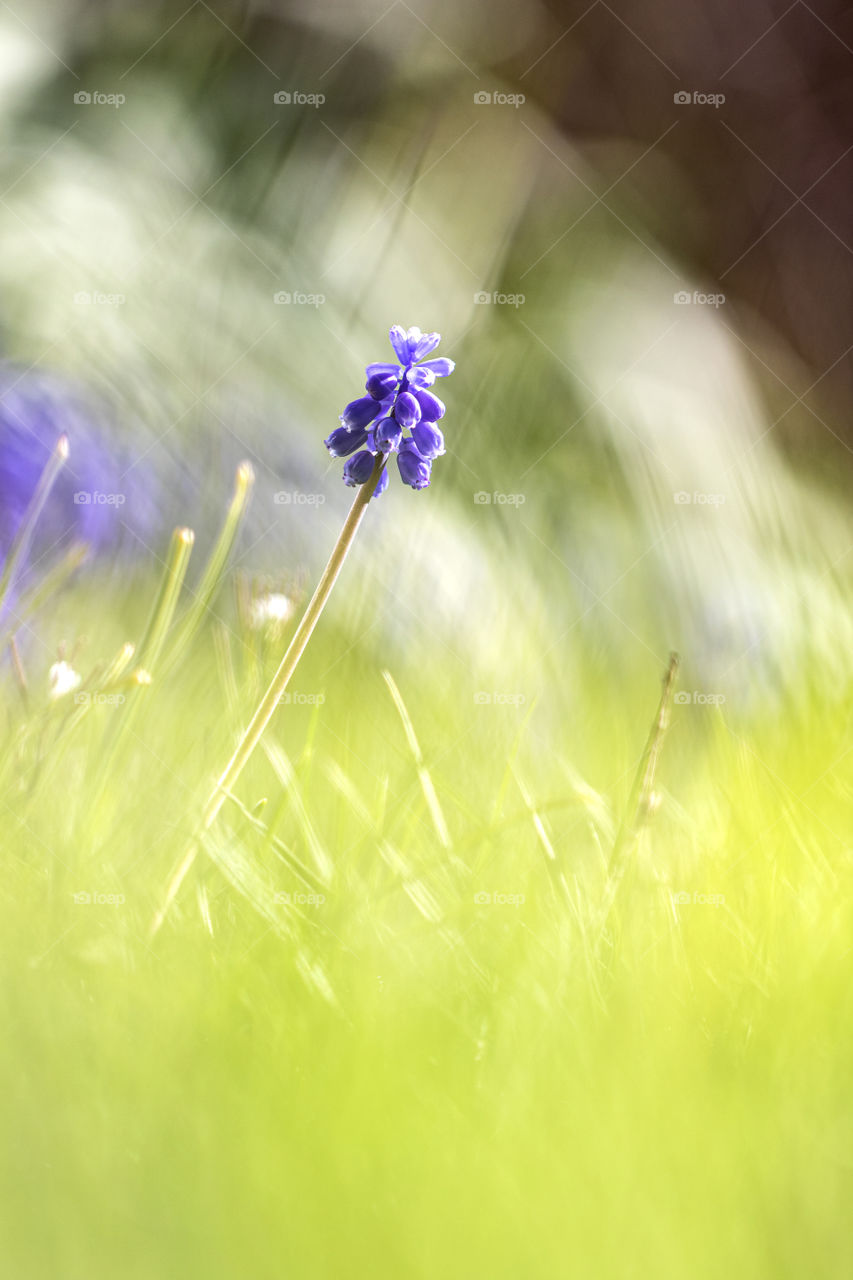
{"x":640,"y":803}
{"x":212,"y":577}
{"x":266,"y":707}
{"x":164,"y":606}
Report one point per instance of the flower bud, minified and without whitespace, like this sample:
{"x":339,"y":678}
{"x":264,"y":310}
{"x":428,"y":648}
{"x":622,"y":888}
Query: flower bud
{"x":419,"y":377}
{"x":421,"y":344}
{"x":400,"y":343}
{"x":431,"y":407}
{"x":387,"y":434}
{"x":359,"y":468}
{"x":407,"y":410}
{"x":359,"y":413}
{"x":441,"y":366}
{"x":428,"y":439}
{"x":343,"y":442}
{"x":380,"y":385}
{"x":414,"y":470}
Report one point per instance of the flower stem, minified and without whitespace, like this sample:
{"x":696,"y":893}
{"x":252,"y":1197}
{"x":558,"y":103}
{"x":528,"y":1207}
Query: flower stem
{"x":266,"y":707}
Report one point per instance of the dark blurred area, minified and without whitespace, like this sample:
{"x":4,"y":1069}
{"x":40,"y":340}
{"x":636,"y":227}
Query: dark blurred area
{"x":765,"y":209}
{"x":762,"y":205}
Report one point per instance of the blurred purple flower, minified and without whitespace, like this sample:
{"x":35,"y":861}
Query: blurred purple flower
{"x":101,"y":497}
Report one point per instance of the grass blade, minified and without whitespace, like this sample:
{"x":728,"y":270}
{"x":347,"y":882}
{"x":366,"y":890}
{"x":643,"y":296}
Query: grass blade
{"x":424,"y":777}
{"x":212,"y":577}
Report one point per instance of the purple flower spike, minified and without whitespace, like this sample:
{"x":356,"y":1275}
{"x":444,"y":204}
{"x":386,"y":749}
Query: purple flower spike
{"x":403,"y":412}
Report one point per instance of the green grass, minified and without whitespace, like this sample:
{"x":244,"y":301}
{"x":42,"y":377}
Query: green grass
{"x":401,"y":1080}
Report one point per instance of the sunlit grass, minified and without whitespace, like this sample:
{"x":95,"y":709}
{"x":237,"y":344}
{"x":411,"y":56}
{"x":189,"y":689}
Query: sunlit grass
{"x":337,"y":1056}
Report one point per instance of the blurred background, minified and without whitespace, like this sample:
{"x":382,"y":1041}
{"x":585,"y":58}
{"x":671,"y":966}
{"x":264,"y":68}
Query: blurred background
{"x":472,"y":1046}
{"x":628,"y":222}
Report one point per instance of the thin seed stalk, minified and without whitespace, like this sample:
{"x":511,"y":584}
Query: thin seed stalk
{"x":149,"y":649}
{"x":167,"y":599}
{"x":640,"y":803}
{"x":212,"y":576}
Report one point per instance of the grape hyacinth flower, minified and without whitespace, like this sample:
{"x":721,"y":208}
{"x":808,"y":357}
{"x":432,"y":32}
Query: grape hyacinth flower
{"x":398,"y":415}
